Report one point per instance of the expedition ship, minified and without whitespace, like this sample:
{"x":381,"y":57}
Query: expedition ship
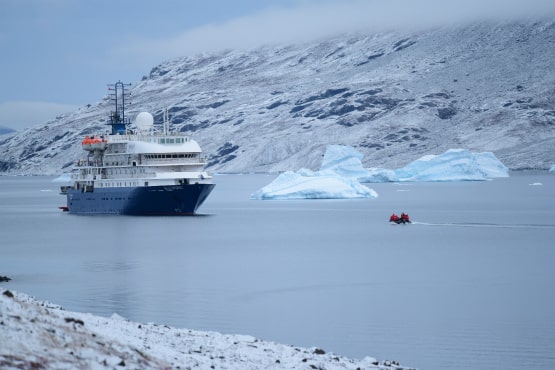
{"x":146,"y":171}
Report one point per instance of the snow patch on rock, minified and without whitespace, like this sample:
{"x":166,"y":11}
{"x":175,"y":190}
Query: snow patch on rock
{"x":38,"y":335}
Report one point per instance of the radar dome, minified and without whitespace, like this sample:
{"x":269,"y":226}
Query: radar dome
{"x":144,"y":121}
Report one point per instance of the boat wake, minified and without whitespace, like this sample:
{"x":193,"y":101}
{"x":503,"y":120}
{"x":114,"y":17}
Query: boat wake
{"x":487,"y":225}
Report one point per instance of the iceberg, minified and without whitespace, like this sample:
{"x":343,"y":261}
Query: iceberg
{"x":338,"y":178}
{"x":552,"y":169}
{"x":305,"y":184}
{"x":346,"y":161}
{"x":453,"y":165}
{"x":341,"y":174}
{"x":379,"y":175}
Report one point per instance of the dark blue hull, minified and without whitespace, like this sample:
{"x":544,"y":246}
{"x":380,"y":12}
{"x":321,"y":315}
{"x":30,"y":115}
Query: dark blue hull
{"x":148,"y":200}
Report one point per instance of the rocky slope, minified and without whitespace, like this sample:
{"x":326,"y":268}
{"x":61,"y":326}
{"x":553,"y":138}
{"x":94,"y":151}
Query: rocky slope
{"x":39,"y":335}
{"x":394,"y":96}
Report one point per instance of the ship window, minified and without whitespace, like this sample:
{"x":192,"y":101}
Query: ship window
{"x":162,"y":141}
{"x":169,"y":141}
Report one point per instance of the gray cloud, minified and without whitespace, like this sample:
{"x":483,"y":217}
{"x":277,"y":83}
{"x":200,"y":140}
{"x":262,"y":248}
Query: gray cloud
{"x":19,"y":115}
{"x":311,"y":20}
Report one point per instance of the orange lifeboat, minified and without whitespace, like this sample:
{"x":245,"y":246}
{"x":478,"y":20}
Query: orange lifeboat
{"x":87,"y":143}
{"x":98,"y":143}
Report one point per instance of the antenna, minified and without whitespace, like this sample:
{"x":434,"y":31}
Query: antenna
{"x":121,"y":99}
{"x":166,"y":121}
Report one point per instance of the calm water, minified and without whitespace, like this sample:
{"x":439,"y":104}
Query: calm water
{"x":470,"y":285}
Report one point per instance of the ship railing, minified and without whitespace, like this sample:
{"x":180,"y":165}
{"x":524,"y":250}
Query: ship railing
{"x":130,"y":175}
{"x":174,"y":161}
{"x":151,"y":136}
{"x":145,"y":161}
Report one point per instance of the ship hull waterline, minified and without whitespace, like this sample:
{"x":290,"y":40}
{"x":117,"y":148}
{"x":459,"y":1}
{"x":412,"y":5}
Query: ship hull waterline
{"x":170,"y":200}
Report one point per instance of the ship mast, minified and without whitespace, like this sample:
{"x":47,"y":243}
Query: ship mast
{"x":121,"y":98}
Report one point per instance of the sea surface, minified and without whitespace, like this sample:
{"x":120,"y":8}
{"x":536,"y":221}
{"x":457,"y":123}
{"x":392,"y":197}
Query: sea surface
{"x":469,"y":285}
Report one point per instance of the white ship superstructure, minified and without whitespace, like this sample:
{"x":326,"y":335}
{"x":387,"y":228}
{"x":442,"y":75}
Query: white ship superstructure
{"x":144,"y":171}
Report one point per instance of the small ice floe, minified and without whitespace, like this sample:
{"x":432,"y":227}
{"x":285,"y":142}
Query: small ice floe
{"x":64,"y":177}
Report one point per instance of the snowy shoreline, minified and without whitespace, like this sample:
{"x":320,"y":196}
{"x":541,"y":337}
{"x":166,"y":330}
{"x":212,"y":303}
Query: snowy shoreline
{"x":42,"y":335}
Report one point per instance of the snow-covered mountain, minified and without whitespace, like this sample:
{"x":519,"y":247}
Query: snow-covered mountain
{"x":394,"y":96}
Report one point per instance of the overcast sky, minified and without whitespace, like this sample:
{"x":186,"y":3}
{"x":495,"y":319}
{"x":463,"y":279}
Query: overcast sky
{"x":57,"y":55}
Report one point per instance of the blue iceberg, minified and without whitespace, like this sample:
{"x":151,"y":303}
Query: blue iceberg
{"x":346,"y":161}
{"x":552,"y":169}
{"x":341,"y":174}
{"x":453,"y":165}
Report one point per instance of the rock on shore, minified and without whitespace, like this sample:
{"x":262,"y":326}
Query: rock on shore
{"x":41,"y":335}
